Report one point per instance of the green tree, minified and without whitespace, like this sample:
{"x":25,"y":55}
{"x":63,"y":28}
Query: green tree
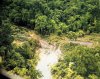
{"x":6,"y":37}
{"x":78,"y":60}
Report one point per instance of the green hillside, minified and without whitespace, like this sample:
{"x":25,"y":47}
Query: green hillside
{"x":72,"y":25}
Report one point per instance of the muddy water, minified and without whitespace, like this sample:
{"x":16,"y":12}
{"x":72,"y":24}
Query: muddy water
{"x":49,"y":56}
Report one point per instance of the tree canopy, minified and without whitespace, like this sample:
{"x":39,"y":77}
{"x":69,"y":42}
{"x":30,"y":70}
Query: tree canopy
{"x":38,"y":15}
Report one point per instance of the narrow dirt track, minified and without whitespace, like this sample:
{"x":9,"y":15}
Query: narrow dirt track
{"x":89,"y":44}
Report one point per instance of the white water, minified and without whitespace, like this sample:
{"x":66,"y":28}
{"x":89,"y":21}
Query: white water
{"x":49,"y":56}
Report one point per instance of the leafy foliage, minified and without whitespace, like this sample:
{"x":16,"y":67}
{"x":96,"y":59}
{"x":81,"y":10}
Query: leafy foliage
{"x":55,"y":16}
{"x":6,"y":38}
{"x":72,"y":17}
{"x":79,"y":62}
{"x":22,"y":60}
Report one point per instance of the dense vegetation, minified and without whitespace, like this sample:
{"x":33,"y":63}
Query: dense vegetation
{"x":17,"y":59}
{"x":60,"y":16}
{"x":74,"y":18}
{"x":79,"y":62}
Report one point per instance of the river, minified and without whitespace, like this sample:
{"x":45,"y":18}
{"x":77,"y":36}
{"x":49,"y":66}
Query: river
{"x":49,"y":55}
